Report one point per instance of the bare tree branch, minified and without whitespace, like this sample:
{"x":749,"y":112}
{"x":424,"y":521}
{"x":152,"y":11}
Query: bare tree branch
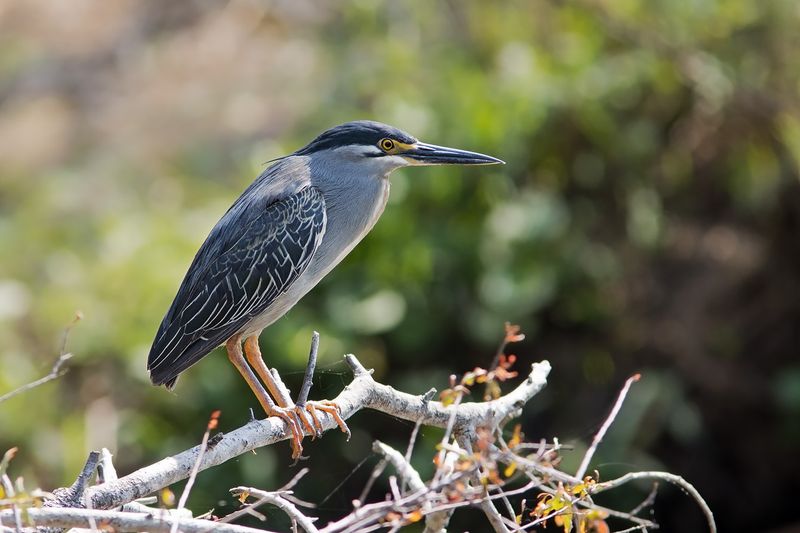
{"x":664,"y":476}
{"x":435,"y":521}
{"x":55,"y":372}
{"x":212,"y":424}
{"x":494,"y":516}
{"x":362,"y":392}
{"x":74,"y":496}
{"x":276,"y":498}
{"x":475,"y":467}
{"x":119,"y":521}
{"x":604,"y":428}
{"x":399,"y":463}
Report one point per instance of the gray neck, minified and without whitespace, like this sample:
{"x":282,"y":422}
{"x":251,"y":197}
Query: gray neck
{"x":355,"y":196}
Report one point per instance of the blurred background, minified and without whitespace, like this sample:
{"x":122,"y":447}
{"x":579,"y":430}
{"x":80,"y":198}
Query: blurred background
{"x":647,"y":221}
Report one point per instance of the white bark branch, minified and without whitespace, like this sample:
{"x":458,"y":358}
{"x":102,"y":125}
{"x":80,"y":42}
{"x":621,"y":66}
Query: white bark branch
{"x":278,"y":501}
{"x":670,"y":478}
{"x":399,"y":463}
{"x":64,"y":517}
{"x":362,"y":392}
{"x":435,"y":521}
{"x":587,"y":458}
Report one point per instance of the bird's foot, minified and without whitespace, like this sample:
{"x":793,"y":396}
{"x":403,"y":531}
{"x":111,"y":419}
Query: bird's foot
{"x":325,"y":406}
{"x":298,"y":424}
{"x":289,"y":415}
{"x":302,"y":417}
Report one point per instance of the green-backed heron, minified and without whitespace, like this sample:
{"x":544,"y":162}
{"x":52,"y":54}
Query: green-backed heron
{"x":288,"y":229}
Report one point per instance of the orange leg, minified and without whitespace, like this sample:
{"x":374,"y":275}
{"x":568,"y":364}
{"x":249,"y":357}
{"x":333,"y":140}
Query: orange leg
{"x":253,"y":353}
{"x":235,"y":355}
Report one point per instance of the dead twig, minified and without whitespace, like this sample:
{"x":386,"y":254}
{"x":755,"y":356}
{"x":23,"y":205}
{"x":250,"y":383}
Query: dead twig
{"x":276,"y":499}
{"x":212,"y":425}
{"x":669,"y":478}
{"x":55,"y":372}
{"x":604,"y":428}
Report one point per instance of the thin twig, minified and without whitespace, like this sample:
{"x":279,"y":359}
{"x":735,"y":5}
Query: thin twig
{"x":543,"y":446}
{"x":275,"y":499}
{"x":56,"y":371}
{"x":507,"y":504}
{"x":604,"y":428}
{"x":669,"y":478}
{"x":394,"y":488}
{"x":590,"y":505}
{"x":367,"y":514}
{"x":74,"y":495}
{"x":376,"y":473}
{"x":446,"y":437}
{"x":302,"y":397}
{"x":212,"y":424}
{"x":647,"y":502}
{"x":8,"y":490}
{"x":426,"y":398}
{"x":538,"y":469}
{"x":399,"y":463}
{"x":287,"y":494}
{"x":494,"y":516}
{"x":433,"y":521}
{"x":640,"y":527}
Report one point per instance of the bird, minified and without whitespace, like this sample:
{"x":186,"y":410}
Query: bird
{"x":289,"y":228}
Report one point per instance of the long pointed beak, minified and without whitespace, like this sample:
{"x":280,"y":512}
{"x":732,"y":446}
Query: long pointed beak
{"x":430,"y":154}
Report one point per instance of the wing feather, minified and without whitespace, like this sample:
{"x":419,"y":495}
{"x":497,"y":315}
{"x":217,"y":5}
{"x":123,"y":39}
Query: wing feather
{"x":225,"y":288}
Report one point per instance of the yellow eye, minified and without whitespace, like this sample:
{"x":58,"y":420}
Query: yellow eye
{"x":387,"y":145}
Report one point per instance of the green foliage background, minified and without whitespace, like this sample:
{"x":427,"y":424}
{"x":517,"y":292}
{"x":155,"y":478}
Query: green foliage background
{"x":647,"y":220}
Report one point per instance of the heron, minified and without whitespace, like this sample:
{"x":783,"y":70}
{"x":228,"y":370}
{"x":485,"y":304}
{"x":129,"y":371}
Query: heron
{"x":299,"y":218}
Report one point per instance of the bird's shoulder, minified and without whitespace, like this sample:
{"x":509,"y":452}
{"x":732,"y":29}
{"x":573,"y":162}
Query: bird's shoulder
{"x":283,"y":179}
{"x":280,"y":196}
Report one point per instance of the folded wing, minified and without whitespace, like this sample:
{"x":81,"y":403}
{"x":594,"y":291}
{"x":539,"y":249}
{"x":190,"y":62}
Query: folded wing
{"x":246,"y":263}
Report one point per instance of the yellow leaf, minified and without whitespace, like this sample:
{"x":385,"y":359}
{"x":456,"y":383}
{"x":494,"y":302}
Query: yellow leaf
{"x":167,"y":497}
{"x":510,"y":469}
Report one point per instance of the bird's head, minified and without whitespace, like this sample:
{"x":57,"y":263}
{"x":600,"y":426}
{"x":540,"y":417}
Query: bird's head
{"x":384,"y":148}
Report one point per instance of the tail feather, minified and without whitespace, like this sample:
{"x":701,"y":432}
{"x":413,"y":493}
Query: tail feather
{"x":174,"y":351}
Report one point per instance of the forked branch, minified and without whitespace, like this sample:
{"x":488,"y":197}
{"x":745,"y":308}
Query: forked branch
{"x":362,"y":393}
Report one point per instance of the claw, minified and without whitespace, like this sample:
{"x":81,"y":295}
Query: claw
{"x":312,"y":411}
{"x":327,"y":406}
{"x":298,"y":413}
{"x":296,"y":435}
{"x":277,"y":401}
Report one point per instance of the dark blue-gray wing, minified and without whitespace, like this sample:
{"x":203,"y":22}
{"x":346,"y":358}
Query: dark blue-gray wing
{"x":224,"y":291}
